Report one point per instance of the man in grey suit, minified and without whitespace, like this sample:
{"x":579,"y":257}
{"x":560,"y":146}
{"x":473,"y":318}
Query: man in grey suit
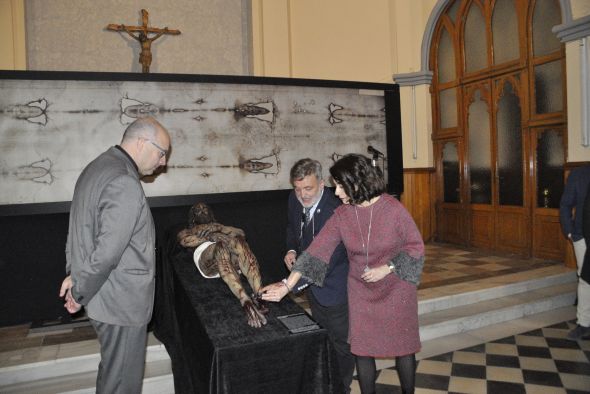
{"x":110,"y":253}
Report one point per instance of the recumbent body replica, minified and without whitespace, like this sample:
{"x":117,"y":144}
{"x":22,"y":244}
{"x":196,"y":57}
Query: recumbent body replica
{"x":222,"y":251}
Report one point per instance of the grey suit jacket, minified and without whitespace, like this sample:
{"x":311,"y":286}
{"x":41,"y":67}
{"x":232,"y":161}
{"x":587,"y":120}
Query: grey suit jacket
{"x":110,"y":250}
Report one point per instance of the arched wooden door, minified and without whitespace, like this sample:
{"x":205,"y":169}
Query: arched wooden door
{"x":498,"y":102}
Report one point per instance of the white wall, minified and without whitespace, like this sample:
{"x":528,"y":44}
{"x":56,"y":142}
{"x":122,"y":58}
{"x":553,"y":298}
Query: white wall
{"x":351,"y":40}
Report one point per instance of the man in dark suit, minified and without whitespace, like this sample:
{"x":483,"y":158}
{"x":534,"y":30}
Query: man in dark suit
{"x":585,"y":273}
{"x":110,"y":253}
{"x":571,"y":207}
{"x":310,"y":206}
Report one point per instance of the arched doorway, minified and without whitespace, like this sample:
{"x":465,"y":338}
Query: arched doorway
{"x":499,"y":120}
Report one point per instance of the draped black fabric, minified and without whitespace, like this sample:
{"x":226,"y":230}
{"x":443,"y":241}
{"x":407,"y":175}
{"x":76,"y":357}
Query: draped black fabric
{"x":212,"y":348}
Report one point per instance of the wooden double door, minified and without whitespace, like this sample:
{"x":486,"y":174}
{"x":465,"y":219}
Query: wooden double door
{"x":500,"y":180}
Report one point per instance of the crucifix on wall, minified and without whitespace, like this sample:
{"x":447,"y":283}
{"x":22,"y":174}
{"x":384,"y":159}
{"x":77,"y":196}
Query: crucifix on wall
{"x":145,"y":35}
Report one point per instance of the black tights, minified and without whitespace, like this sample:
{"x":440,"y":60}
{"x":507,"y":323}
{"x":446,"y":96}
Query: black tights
{"x":367,"y":373}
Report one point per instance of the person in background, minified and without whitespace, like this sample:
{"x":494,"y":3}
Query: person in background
{"x":570,"y":216}
{"x":310,"y":206}
{"x":585,"y":272}
{"x":110,"y":253}
{"x":386,"y":255}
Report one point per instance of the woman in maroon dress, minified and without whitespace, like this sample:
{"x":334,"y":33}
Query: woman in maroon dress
{"x":386,"y":256}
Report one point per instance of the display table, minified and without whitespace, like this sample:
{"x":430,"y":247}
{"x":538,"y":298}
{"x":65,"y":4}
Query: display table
{"x":212,"y":348}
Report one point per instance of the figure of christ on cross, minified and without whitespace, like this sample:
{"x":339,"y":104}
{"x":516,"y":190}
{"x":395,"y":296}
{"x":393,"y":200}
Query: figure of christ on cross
{"x":142,"y":34}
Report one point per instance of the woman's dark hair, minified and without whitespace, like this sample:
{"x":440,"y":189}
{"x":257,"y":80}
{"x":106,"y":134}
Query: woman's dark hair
{"x":359,"y":179}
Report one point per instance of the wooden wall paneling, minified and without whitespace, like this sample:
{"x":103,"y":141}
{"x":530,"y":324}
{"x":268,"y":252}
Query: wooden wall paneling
{"x":570,"y":257}
{"x":512,"y":231}
{"x":482,"y":226}
{"x":548,"y":241}
{"x":418,"y":199}
{"x":433,"y":219}
{"x":450,"y":224}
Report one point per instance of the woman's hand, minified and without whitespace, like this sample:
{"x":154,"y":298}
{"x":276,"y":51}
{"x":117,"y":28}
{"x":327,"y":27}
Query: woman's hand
{"x":289,"y":259}
{"x":274,"y":292}
{"x":375,"y":274}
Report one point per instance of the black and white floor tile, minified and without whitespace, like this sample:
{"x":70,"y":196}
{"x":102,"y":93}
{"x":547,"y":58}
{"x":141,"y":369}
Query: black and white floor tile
{"x":538,"y":361}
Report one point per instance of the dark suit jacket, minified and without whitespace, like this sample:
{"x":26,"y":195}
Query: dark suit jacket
{"x":573,"y":196}
{"x":585,"y":274}
{"x":111,"y":239}
{"x":334,"y":290}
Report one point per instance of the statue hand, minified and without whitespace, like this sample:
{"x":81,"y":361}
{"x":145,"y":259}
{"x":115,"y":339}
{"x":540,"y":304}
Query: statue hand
{"x":255,"y":317}
{"x":260,"y":303}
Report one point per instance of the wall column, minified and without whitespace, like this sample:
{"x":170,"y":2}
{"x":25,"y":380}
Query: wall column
{"x":12,"y":35}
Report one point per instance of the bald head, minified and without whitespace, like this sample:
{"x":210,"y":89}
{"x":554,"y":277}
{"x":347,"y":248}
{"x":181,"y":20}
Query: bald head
{"x":147,"y":127}
{"x":148,"y":143}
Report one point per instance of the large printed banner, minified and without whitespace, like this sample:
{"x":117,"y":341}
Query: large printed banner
{"x":226,"y":137}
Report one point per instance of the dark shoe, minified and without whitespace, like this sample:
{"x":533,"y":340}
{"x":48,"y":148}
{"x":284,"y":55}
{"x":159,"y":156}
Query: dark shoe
{"x":578,"y":333}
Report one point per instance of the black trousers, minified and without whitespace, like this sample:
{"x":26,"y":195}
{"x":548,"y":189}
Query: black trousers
{"x":335,"y":320}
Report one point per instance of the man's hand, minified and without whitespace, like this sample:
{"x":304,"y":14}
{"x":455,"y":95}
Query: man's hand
{"x":71,"y":305}
{"x":289,"y":259}
{"x":65,"y":291}
{"x":66,"y":285}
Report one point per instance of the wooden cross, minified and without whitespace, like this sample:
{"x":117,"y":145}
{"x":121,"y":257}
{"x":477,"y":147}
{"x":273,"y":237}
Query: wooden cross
{"x":142,"y":34}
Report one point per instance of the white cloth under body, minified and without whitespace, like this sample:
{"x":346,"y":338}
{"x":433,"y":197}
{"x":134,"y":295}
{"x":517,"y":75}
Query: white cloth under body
{"x":197,"y":256}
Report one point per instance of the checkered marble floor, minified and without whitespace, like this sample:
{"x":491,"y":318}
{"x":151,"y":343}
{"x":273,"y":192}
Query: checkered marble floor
{"x":446,"y":265}
{"x":538,"y":361}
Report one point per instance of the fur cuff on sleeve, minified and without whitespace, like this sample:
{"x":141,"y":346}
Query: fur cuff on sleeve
{"x":311,"y":268}
{"x":408,"y":268}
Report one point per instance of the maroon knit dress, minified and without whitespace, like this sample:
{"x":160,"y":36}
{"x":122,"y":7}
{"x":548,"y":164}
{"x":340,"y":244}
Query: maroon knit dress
{"x":384,"y":314}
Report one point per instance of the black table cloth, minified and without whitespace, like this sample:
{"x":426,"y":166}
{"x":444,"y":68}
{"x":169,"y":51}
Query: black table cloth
{"x":212,"y":348}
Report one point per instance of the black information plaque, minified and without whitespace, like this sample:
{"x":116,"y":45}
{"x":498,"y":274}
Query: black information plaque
{"x":298,"y":322}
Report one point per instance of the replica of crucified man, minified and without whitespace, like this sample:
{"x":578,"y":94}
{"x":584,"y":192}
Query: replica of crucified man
{"x":222,"y":251}
{"x":142,"y":34}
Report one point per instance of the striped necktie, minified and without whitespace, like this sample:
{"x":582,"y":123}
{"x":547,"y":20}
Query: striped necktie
{"x":307,"y":213}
